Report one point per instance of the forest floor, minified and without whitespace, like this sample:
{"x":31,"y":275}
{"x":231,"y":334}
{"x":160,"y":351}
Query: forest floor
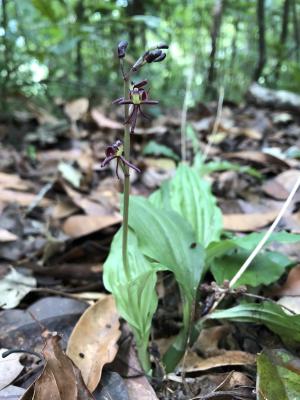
{"x":59,"y":212}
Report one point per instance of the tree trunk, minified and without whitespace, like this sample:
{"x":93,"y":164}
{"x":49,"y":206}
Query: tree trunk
{"x":296,"y":30}
{"x":283,"y":37}
{"x":260,"y":12}
{"x":79,"y":11}
{"x":6,"y":51}
{"x":217,"y":19}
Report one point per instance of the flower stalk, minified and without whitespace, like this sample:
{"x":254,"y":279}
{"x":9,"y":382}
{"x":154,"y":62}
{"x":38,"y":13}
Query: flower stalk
{"x":126,"y":182}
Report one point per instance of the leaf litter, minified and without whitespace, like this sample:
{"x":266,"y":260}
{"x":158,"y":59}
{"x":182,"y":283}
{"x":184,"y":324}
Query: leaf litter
{"x":79,"y":215}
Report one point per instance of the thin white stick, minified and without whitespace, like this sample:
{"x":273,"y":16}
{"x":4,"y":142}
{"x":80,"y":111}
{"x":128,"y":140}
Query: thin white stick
{"x":261,"y":244}
{"x":185,"y":105}
{"x":216,"y":123}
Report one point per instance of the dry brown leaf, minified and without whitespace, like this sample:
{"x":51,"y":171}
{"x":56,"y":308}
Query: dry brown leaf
{"x":6,"y":236}
{"x":60,"y":379}
{"x":63,"y":209}
{"x":258,"y":157}
{"x":76,"y":109}
{"x":274,"y":189}
{"x":138,"y":388}
{"x":103,"y":122}
{"x":55,"y":156}
{"x":93,"y":342}
{"x":194,"y":363}
{"x":252,"y":133}
{"x":81,"y":225}
{"x":291,"y":287}
{"x":281,"y":186}
{"x":11,"y":181}
{"x":248,"y":222}
{"x":291,"y":303}
{"x":21,"y":198}
{"x":88,"y":206}
{"x":208,"y":340}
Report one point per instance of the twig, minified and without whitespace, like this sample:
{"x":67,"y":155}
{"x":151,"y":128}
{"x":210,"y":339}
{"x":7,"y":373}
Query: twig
{"x":261,"y":244}
{"x":185,"y":105}
{"x":216,"y":123}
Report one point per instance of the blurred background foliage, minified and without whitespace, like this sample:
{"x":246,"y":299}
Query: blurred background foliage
{"x":66,"y":48}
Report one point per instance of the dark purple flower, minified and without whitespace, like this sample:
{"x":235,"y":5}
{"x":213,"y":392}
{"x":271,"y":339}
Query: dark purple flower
{"x":138,"y":96}
{"x":116,"y":151}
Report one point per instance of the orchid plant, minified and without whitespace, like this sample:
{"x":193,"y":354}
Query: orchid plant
{"x":123,"y":281}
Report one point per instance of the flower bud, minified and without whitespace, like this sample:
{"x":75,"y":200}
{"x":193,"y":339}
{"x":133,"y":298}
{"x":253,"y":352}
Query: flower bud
{"x":160,"y":58}
{"x":162,"y":46}
{"x":152,"y":55}
{"x":122,"y":46}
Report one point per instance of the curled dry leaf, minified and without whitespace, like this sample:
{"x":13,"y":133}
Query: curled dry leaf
{"x":10,"y":368}
{"x":194,"y":363}
{"x":258,"y":157}
{"x":81,"y":225}
{"x":7,"y":236}
{"x":22,"y":198}
{"x":103,"y":122}
{"x":248,"y":222}
{"x":93,"y":342}
{"x":13,"y":287}
{"x":60,"y":379}
{"x":76,"y":109}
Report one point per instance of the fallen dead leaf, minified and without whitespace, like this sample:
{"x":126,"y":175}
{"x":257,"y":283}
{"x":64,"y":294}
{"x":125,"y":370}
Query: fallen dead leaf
{"x":251,"y":133}
{"x":208,"y":340}
{"x":63,"y":209}
{"x":60,"y":379}
{"x":21,"y":198}
{"x":88,"y":206}
{"x":138,"y":388}
{"x":81,"y":225}
{"x":259,"y":158}
{"x":11,"y":181}
{"x":6,"y":236}
{"x":13,"y":287}
{"x":11,"y":392}
{"x":291,"y":287}
{"x":93,"y":342}
{"x":291,"y":303}
{"x":10,"y":368}
{"x":194,"y":363}
{"x":280,"y":187}
{"x":248,"y":222}
{"x":103,"y":122}
{"x":76,"y":109}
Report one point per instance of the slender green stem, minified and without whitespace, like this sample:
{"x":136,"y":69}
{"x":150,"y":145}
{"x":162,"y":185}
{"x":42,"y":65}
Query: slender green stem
{"x":126,"y":182}
{"x":177,"y":349}
{"x":142,"y":349}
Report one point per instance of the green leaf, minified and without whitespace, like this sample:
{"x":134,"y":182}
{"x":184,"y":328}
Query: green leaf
{"x":266,"y":313}
{"x":190,"y":196}
{"x":265,"y":269}
{"x":165,"y":237}
{"x":135,"y":295}
{"x":149,"y":20}
{"x":278,"y":375}
{"x":157,"y":149}
{"x":214,"y":166}
{"x":248,"y":242}
{"x":46,"y":9}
